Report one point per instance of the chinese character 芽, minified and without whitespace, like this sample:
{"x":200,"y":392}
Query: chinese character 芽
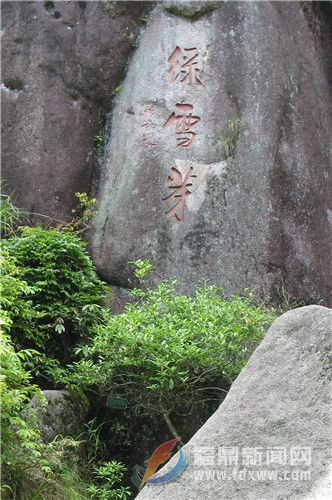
{"x":228,"y":455}
{"x":252,"y":456}
{"x":184,"y":124}
{"x":204,"y":455}
{"x":180,"y":193}
{"x":300,"y":455}
{"x":183,"y":66}
{"x":276,"y":455}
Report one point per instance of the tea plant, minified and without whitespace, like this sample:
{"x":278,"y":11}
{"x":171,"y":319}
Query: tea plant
{"x":169,"y":353}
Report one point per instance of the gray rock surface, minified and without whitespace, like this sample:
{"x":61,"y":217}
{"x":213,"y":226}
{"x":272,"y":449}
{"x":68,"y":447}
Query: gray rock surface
{"x":280,"y":399}
{"x":63,"y":415}
{"x":257,"y":220}
{"x":61,"y":62}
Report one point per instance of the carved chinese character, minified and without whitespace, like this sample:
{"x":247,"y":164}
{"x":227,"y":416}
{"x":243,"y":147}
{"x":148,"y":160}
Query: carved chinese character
{"x":183,"y":66}
{"x":180,"y":193}
{"x":148,"y":140}
{"x":149,"y":110}
{"x":184,"y":124}
{"x":148,"y":135}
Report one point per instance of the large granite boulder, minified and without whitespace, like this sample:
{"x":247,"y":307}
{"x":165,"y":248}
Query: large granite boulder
{"x":271,"y":437}
{"x":231,"y":101}
{"x":63,"y":415}
{"x":61,"y":62}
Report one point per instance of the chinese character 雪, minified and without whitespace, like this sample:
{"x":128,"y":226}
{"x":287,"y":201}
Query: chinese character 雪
{"x":184,"y":125}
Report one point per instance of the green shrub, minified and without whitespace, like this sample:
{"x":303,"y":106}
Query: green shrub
{"x":10,"y":216}
{"x":62,"y":288}
{"x":172,"y":351}
{"x":82,"y":215}
{"x":142,"y":268}
{"x":15,"y":303}
{"x":21,"y":449}
{"x":31,"y":469}
{"x":107,"y":485}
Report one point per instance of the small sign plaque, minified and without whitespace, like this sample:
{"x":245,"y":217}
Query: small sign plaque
{"x":115,"y":402}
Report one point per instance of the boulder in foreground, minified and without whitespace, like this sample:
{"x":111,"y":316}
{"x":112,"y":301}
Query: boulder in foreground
{"x":270,"y":438}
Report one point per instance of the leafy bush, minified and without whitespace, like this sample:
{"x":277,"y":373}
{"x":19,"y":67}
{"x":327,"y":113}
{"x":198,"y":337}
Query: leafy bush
{"x":142,"y":268}
{"x":50,"y":297}
{"x":171,"y":352}
{"x":20,"y":445}
{"x":61,"y":285}
{"x":30,"y":468}
{"x":167,"y":355}
{"x":10,"y":216}
{"x":108,"y":477}
{"x":83,"y":215}
{"x":15,"y":293}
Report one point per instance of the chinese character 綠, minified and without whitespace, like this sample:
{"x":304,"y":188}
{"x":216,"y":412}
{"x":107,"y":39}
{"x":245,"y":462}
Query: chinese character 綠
{"x":184,"y":124}
{"x":184,"y":65}
{"x":180,"y":193}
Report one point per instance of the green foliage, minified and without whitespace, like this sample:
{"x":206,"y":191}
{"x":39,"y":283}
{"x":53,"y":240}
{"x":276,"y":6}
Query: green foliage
{"x":10,"y":216}
{"x":107,"y":485}
{"x":20,"y":446}
{"x":98,"y":141}
{"x":67,"y":477}
{"x":82,"y":215}
{"x":60,"y":285}
{"x":30,"y":468}
{"x":15,"y":304}
{"x":287,"y":302}
{"x":168,"y":354}
{"x":142,"y":268}
{"x":230,"y":137}
{"x":95,"y":446}
{"x":172,"y":351}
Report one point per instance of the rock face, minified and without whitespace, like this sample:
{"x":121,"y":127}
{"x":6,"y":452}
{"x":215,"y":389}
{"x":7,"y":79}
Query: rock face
{"x":61,"y":62}
{"x":232,"y":94}
{"x":280,"y":400}
{"x":63,"y":415}
{"x":234,"y":97}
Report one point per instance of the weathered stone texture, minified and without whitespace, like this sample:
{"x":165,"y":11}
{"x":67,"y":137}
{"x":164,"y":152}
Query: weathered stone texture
{"x":259,"y":220}
{"x":63,"y":415}
{"x":61,"y":62}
